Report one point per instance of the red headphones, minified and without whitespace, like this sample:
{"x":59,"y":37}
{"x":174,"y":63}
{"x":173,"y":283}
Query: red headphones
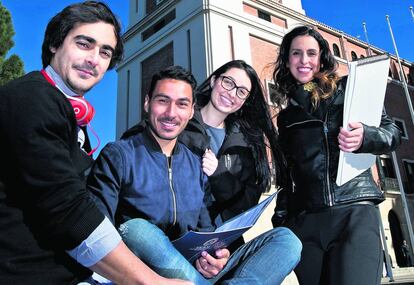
{"x":84,"y":111}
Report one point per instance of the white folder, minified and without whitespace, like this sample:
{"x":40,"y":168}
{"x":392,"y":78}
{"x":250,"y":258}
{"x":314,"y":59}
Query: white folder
{"x":364,"y":101}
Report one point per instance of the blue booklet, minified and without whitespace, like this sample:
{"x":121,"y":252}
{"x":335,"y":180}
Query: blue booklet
{"x":193,"y":243}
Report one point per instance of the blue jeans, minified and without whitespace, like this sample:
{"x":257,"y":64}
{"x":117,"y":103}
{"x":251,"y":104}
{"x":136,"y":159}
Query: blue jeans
{"x":267,"y":259}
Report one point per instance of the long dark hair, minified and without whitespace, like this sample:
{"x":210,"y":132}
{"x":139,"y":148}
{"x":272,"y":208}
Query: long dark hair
{"x":326,"y":77}
{"x":254,"y":120}
{"x":85,"y":12}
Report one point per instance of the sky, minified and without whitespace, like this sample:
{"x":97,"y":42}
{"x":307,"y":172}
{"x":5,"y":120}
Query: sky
{"x":31,"y":17}
{"x":348,"y":17}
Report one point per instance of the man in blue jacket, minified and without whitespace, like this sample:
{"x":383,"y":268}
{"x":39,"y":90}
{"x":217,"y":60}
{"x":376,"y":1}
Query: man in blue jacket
{"x":152,"y":188}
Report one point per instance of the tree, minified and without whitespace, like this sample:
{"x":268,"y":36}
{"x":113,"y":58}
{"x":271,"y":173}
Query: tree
{"x":12,"y":67}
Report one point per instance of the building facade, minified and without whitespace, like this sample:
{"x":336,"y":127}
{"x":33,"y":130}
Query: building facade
{"x":201,"y":35}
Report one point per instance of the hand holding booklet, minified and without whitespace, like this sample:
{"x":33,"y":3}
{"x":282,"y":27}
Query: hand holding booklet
{"x":193,"y":243}
{"x":364,"y":100}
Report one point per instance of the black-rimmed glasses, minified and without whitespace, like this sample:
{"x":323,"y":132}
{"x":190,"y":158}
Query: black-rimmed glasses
{"x":229,"y":84}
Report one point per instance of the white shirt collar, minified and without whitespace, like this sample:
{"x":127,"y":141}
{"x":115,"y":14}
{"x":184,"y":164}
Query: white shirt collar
{"x":59,"y":82}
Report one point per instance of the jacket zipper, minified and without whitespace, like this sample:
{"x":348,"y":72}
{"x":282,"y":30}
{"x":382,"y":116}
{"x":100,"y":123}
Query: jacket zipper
{"x":290,"y":171}
{"x":325,"y":130}
{"x":169,"y":165}
{"x":293,"y":182}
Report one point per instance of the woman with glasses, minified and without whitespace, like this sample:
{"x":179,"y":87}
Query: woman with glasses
{"x":231,"y":121}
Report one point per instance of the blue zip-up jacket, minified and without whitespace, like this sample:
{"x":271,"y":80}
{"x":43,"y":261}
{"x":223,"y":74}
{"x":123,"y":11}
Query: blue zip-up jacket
{"x":132,"y":178}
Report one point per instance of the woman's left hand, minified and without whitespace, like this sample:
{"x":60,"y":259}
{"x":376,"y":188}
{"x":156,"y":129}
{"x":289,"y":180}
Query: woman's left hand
{"x":351,"y":140}
{"x":209,"y":266}
{"x":210,"y":162}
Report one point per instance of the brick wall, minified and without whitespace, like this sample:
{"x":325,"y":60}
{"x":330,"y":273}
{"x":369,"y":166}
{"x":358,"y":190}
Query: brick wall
{"x":278,"y":21}
{"x":249,"y":10}
{"x":264,"y":54}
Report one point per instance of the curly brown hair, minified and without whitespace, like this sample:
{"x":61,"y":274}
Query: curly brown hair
{"x":326,"y":77}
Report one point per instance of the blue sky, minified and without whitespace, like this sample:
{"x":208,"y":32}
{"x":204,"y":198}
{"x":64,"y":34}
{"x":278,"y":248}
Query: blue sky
{"x":31,"y":17}
{"x":349,"y":15}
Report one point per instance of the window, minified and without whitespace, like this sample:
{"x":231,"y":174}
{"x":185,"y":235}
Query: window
{"x":152,"y":5}
{"x":152,"y":64}
{"x":409,"y":172}
{"x":353,"y":55}
{"x":401,"y":124}
{"x":411,"y":75}
{"x":158,"y":25}
{"x":387,"y":166}
{"x":335,"y":49}
{"x":411,"y":79}
{"x":263,"y":15}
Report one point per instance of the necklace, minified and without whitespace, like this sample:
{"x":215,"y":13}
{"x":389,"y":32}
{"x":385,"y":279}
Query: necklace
{"x":309,"y":86}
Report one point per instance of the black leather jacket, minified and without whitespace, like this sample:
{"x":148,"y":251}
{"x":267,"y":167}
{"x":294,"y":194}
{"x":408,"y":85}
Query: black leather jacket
{"x":234,"y":183}
{"x":310,"y":143}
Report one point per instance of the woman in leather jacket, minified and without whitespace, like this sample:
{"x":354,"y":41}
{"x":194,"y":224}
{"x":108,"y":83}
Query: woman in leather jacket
{"x":338,"y":225}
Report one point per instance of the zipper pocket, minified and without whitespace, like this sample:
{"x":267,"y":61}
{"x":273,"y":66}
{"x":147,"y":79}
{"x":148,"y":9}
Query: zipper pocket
{"x":304,"y":122}
{"x":227,"y":161}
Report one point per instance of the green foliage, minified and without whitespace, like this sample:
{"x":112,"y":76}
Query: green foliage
{"x":12,"y":67}
{"x":6,"y":31}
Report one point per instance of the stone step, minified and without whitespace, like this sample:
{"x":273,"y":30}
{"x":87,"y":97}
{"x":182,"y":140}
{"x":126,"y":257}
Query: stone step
{"x":404,"y":275}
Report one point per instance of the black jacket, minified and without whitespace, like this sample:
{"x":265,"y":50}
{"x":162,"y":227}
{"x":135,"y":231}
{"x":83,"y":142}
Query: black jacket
{"x":233,"y":184}
{"x":44,"y":207}
{"x":310,"y":143}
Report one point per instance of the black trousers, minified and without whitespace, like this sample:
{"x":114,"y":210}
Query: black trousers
{"x":341,"y":246}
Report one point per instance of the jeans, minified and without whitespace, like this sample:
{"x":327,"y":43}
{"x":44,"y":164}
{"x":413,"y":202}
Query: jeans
{"x":267,"y":259}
